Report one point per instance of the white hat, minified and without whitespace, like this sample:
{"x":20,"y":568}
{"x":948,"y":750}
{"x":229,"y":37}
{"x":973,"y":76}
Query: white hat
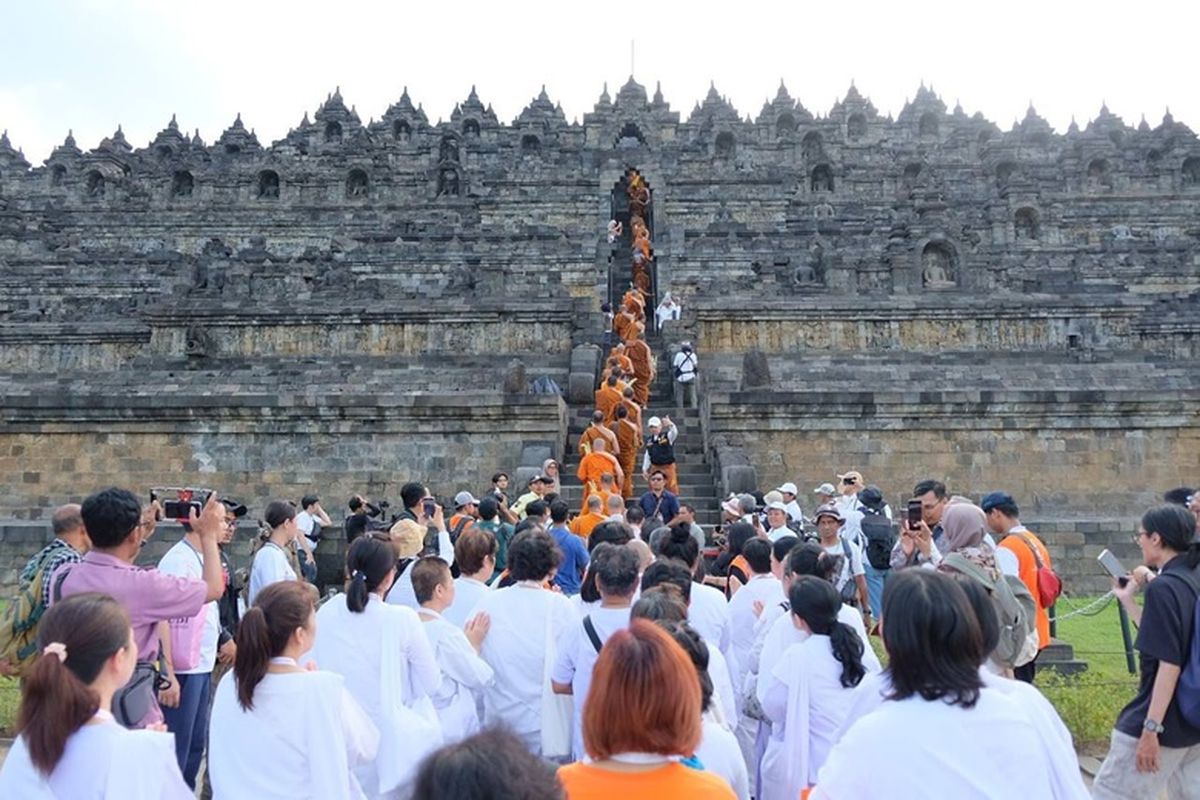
{"x":788,"y":488}
{"x":776,"y":507}
{"x":825,"y":488}
{"x":464,"y":499}
{"x":653,"y":422}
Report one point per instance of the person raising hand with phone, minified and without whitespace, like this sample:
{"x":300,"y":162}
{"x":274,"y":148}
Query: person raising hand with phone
{"x":915,"y":547}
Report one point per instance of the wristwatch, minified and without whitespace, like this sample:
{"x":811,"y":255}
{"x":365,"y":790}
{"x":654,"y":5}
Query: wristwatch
{"x":1152,"y":726}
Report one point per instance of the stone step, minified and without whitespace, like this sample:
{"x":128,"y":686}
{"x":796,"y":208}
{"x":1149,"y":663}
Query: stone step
{"x":1059,"y":656}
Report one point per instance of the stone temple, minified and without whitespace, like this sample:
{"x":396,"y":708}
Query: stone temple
{"x":360,"y":304}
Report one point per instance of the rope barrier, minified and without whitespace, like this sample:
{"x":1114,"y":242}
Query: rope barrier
{"x":1090,"y":610}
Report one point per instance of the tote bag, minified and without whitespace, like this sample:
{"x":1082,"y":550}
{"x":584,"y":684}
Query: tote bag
{"x":558,"y":710}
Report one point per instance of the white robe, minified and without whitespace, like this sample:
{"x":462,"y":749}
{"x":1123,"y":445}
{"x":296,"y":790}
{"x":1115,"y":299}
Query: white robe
{"x":1066,"y":781}
{"x":806,"y":692}
{"x":922,"y":748}
{"x":719,"y":753}
{"x":389,"y":668}
{"x":767,"y":590}
{"x":303,"y":739}
{"x":780,"y":636}
{"x":464,"y":677}
{"x":515,"y":648}
{"x":577,"y":658}
{"x":467,"y":594}
{"x":102,"y":760}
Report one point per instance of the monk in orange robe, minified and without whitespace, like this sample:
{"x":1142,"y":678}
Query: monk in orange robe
{"x":623,"y":324}
{"x":583,"y":524}
{"x":631,"y":405}
{"x":598,"y":430}
{"x":608,"y":397}
{"x":643,"y":369}
{"x":594,"y":465}
{"x":618,"y":353}
{"x":629,"y":436}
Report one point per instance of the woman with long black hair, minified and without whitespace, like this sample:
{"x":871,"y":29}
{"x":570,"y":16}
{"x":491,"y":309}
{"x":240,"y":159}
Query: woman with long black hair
{"x":809,"y":688}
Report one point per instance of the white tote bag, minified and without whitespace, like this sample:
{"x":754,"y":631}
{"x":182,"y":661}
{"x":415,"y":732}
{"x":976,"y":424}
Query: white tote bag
{"x":558,"y":710}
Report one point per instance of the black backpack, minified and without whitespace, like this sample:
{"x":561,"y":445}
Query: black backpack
{"x":881,"y":538}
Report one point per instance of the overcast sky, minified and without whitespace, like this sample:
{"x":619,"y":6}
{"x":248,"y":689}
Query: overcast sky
{"x":93,"y":64}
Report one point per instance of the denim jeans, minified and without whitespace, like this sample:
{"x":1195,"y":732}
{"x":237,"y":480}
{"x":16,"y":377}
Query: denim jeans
{"x":189,"y":723}
{"x":875,"y":581}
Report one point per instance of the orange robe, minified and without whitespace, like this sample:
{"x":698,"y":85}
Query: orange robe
{"x":643,"y":369}
{"x":594,"y":432}
{"x":607,"y":400}
{"x":623,"y":362}
{"x":583,"y":525}
{"x":635,"y":412}
{"x":591,"y":467}
{"x":629,"y":436}
{"x":623,"y":325}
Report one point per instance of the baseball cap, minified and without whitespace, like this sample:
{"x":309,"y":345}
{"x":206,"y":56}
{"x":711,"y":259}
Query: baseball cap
{"x":828,"y":510}
{"x":777,"y":506}
{"x":234,"y":507}
{"x":464,"y":499}
{"x":788,"y":488}
{"x":825,"y":488}
{"x":541,"y":478}
{"x":653,"y":422}
{"x":993,"y":499}
{"x":853,"y":476}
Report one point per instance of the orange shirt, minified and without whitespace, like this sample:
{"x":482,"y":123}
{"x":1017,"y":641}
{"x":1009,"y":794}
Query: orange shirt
{"x":582,"y":525}
{"x":594,"y":432}
{"x":1027,"y":569}
{"x":671,"y":781}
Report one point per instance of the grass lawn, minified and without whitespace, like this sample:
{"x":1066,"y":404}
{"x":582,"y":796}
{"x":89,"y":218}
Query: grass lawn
{"x":1089,"y":703}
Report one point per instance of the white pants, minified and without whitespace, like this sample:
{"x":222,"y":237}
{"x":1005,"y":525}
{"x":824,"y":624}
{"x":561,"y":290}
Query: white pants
{"x":1178,"y":772}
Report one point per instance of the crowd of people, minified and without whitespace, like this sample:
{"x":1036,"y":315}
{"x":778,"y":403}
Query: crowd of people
{"x":644,"y":656}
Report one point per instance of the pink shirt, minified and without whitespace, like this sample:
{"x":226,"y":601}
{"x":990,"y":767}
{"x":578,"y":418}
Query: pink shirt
{"x":147,"y":595}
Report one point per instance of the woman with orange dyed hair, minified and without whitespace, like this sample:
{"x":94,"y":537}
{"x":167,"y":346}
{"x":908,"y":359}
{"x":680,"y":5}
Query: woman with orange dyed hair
{"x":641,"y":718}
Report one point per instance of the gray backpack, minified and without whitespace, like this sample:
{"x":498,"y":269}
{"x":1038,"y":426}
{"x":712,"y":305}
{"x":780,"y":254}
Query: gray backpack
{"x":1014,"y":607}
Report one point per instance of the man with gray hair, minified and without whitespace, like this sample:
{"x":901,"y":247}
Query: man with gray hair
{"x":68,"y":546}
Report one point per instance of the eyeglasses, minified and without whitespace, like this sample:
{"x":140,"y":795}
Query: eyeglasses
{"x":1137,"y":537}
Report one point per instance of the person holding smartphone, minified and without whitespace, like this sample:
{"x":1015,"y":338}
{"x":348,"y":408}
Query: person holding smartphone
{"x":420,"y":530}
{"x":1153,"y":747}
{"x":915,"y":547}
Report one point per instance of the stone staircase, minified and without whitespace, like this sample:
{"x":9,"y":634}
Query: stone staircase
{"x":696,"y":480}
{"x":1059,"y":656}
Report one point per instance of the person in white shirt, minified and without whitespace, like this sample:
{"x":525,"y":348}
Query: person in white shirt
{"x":666,"y":310}
{"x":384,"y":656}
{"x":761,"y":590}
{"x":475,"y":554}
{"x":188,"y":719}
{"x":851,"y":582}
{"x":69,"y":745}
{"x":311,"y":519}
{"x":849,"y":485}
{"x":777,"y":522}
{"x":408,"y":540}
{"x":940,"y":708}
{"x":616,"y":571}
{"x":465,"y":676}
{"x":527,"y":619}
{"x":685,"y":366}
{"x":718,"y":751}
{"x":809,"y":688}
{"x":789,"y":491}
{"x":777,"y":632}
{"x":280,"y":729}
{"x":270,"y":563}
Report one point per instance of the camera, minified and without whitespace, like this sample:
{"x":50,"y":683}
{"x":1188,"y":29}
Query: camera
{"x":185,"y":500}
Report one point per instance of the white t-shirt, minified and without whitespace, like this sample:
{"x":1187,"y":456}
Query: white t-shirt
{"x":686,"y":364}
{"x":270,"y":565}
{"x":850,"y":566}
{"x":183,"y":560}
{"x":708,"y":613}
{"x":761,"y":588}
{"x":515,"y":648}
{"x":577,"y":657}
{"x":775,"y":534}
{"x":306,"y":522}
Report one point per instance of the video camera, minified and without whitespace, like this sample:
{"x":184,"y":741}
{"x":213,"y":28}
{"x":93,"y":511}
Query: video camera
{"x":186,"y":499}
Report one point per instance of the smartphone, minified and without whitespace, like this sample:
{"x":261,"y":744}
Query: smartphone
{"x":914,"y":513}
{"x":1112,"y":565}
{"x":429,"y":506}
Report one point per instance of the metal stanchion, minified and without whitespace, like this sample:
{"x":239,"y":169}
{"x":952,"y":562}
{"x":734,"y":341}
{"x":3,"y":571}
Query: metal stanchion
{"x":1127,"y":637}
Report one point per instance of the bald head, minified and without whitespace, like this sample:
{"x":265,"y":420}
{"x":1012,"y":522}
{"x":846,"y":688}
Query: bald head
{"x":597,"y":417}
{"x":612,"y":380}
{"x":628,"y":392}
{"x":593,"y":504}
{"x":606,"y":479}
{"x":645,"y":557}
{"x":598,"y":445}
{"x":616,"y":505}
{"x":67,"y":524}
